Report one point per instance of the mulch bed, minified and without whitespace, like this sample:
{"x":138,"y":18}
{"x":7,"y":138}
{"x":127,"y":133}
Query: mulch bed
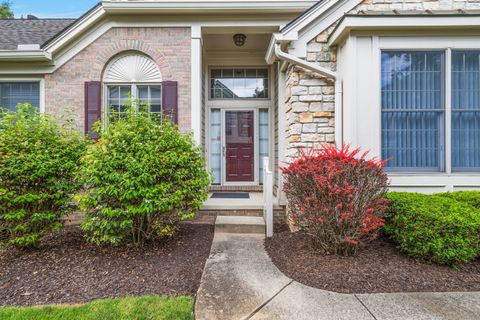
{"x":69,"y":270}
{"x":379,"y":267}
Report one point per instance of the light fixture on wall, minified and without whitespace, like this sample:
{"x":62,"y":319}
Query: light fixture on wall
{"x":239,"y":39}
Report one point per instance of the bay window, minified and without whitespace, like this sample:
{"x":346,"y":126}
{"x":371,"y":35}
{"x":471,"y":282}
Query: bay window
{"x":14,"y":93}
{"x":414,"y":89}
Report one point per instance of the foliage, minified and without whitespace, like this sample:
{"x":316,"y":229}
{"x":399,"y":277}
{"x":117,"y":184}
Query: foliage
{"x":141,"y":179}
{"x":336,"y":196}
{"x":470,"y":197}
{"x":434,"y":228}
{"x":5,"y":10}
{"x":38,"y":161}
{"x":130,"y":308}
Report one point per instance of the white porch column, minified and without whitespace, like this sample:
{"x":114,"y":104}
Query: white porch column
{"x":282,"y":136}
{"x":196,"y":83}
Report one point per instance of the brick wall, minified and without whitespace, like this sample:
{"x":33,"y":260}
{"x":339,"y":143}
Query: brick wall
{"x":169,"y":47}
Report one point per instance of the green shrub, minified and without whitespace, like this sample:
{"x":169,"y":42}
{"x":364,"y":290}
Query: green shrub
{"x":470,"y":197}
{"x":38,"y":163}
{"x":434,"y":228}
{"x":141,"y":179}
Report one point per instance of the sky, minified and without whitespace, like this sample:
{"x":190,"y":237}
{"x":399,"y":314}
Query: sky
{"x":52,"y":8}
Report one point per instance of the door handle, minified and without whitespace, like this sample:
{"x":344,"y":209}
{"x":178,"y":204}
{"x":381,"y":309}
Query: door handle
{"x":224,"y":151}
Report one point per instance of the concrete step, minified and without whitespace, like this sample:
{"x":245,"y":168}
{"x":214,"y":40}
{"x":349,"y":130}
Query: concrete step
{"x":279,"y":215}
{"x":239,"y":224}
{"x":232,"y":212}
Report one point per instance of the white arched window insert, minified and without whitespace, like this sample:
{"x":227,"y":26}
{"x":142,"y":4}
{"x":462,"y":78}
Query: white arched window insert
{"x":132,"y":76}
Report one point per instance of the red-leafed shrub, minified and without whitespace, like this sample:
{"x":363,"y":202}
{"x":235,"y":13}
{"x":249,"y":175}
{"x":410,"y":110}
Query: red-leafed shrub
{"x":337,"y":197}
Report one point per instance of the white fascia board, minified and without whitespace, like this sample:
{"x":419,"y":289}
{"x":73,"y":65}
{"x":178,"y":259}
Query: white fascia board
{"x":75,"y":30}
{"x":270,"y":56}
{"x":91,"y":35}
{"x":210,"y":6}
{"x":307,"y":18}
{"x":384,"y":23}
{"x":319,"y":23}
{"x":25,"y":55}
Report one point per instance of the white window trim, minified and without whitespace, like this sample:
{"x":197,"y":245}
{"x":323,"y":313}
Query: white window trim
{"x":41,"y":82}
{"x":445,"y":44}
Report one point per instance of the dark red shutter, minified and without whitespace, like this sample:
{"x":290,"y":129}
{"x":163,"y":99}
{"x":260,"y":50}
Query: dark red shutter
{"x":170,"y":100}
{"x":93,"y":106}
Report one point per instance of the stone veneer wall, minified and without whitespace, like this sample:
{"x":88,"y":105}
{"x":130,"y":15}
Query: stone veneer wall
{"x":417,"y":5}
{"x":310,"y":101}
{"x":169,"y":47}
{"x":310,"y":111}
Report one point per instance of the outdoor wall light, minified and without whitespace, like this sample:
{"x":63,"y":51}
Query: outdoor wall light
{"x":239,"y":39}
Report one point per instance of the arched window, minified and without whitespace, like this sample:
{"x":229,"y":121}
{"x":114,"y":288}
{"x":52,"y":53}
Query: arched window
{"x":132,"y":77}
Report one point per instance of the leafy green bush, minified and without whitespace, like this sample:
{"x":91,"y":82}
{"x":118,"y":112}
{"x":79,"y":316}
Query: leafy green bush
{"x":470,"y":197}
{"x":38,"y":163}
{"x":141,"y":179}
{"x":435,"y":228}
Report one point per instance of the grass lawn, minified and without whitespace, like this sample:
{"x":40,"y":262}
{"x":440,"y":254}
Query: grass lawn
{"x":144,"y":308}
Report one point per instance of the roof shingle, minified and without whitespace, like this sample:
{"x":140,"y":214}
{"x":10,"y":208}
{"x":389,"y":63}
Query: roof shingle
{"x":24,"y":31}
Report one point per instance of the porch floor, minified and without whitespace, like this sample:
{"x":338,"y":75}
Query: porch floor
{"x":255,"y":202}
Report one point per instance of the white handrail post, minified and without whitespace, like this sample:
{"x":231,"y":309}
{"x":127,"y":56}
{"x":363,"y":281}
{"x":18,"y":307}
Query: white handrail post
{"x":268,"y":196}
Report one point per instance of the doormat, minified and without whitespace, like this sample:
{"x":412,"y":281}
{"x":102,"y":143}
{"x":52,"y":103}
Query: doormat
{"x":230,"y":195}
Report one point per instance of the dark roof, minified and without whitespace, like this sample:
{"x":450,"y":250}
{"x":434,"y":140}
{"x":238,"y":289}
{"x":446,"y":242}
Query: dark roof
{"x":294,"y":21}
{"x":25,"y":31}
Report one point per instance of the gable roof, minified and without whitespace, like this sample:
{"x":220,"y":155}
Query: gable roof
{"x":26,"y":31}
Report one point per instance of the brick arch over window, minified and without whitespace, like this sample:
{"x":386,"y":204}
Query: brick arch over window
{"x":120,"y":47}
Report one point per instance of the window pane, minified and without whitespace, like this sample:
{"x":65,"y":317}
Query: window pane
{"x":215,"y":145}
{"x":155,"y":106}
{"x":263,"y":139}
{"x":117,"y":98}
{"x":113,"y":92}
{"x":466,"y":110}
{"x":155,"y":92}
{"x":251,"y":73}
{"x":150,"y":96}
{"x":413,"y":108}
{"x":143,"y":93}
{"x":227,"y":73}
{"x":13,"y":93}
{"x":239,"y":83}
{"x":125,"y":92}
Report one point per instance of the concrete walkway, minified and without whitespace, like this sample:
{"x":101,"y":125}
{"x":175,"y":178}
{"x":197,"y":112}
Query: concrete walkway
{"x":241,"y":282}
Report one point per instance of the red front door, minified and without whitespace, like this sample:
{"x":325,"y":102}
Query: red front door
{"x":239,"y":146}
